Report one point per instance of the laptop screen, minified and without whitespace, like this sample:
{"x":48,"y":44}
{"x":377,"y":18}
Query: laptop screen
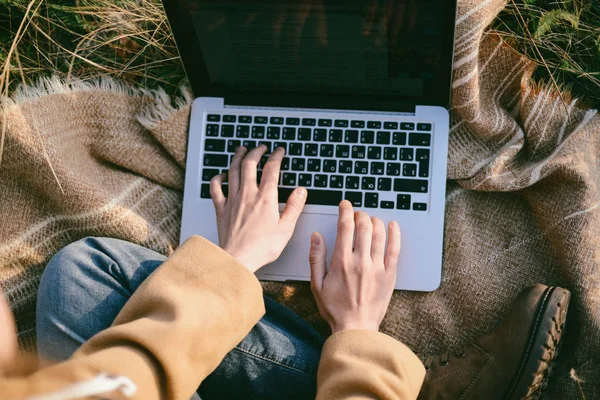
{"x":353,"y":48}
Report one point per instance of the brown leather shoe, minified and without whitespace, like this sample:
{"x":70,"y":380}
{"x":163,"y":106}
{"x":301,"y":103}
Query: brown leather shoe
{"x":513,"y":362}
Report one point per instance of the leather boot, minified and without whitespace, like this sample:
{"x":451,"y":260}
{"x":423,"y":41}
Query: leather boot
{"x":512,"y":362}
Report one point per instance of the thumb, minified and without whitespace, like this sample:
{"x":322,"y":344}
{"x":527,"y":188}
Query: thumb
{"x":293,"y":208}
{"x":318,"y":262}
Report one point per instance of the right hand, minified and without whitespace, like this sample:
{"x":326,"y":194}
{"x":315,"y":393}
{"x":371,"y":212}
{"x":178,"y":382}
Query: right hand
{"x":356,"y":291}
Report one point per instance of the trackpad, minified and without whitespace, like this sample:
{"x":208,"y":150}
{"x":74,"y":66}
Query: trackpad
{"x":293,"y":262}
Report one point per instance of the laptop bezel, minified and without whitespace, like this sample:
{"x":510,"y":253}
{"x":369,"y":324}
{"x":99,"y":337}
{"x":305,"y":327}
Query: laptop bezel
{"x":197,"y":74}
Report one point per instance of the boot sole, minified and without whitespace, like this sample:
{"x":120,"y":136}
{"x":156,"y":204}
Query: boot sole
{"x":543,"y":345}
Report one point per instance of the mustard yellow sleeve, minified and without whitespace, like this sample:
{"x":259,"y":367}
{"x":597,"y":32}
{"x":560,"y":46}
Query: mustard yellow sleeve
{"x":358,"y":364}
{"x":171,"y":334}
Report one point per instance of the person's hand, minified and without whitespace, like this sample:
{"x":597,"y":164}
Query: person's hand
{"x":356,"y":291}
{"x":248,"y":221}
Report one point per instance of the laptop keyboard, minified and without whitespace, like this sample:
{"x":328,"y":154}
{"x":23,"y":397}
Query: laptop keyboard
{"x":373,"y":164}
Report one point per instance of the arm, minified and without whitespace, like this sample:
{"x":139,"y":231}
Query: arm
{"x":357,"y":361}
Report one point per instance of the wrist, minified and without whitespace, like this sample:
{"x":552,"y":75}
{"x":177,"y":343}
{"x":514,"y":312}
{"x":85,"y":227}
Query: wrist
{"x":242,"y":260}
{"x":357,"y":326}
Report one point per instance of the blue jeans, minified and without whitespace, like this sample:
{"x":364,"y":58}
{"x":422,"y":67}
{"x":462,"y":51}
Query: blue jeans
{"x":86,"y":284}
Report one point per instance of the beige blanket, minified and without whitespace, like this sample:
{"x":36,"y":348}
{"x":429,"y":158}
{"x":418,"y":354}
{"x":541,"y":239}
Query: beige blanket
{"x":523,"y":199}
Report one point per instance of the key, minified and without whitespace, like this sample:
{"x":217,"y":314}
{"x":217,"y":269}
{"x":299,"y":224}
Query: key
{"x":295,"y":149}
{"x":325,"y":122}
{"x":205,"y":191}
{"x":313,"y":165}
{"x":336,"y":181}
{"x":229,"y":118}
{"x":354,"y":197}
{"x":329,"y":166}
{"x":358,"y":151}
{"x":326,"y":150}
{"x":384,"y":184}
{"x":407,"y":126}
{"x":383,"y":137}
{"x":277,"y":120}
{"x":209,"y":173}
{"x":374,"y":124}
{"x":285,"y":164}
{"x":371,"y":200}
{"x":261,"y":120}
{"x":342,"y":151}
{"x":249,"y":144}
{"x":368,"y":183}
{"x":273,"y":132}
{"x":341,"y":123}
{"x":399,"y":138}
{"x":324,"y":197}
{"x":214,"y":145}
{"x":212,"y":130}
{"x":406,"y":154}
{"x":213,"y":117}
{"x":215,"y":160}
{"x":292,"y":121}
{"x":377,"y":168}
{"x":419,"y":139}
{"x":390,"y":125}
{"x":345,"y":166}
{"x":361,"y":167}
{"x":423,"y":127}
{"x":305,"y":180}
{"x":403,"y":202}
{"x":309,"y":121}
{"x":298,"y":164}
{"x":374,"y":153}
{"x":242,"y":131}
{"x":311,"y":149}
{"x":352,"y":182}
{"x":390,"y":153}
{"x":367,"y":137}
{"x":289,"y":133}
{"x":321,"y":181}
{"x":335,"y":135}
{"x":268,"y":145}
{"x":262,"y":162}
{"x":387,"y":204}
{"x":420,"y":206}
{"x":409,"y":169}
{"x":357,"y":124}
{"x":258,"y":132}
{"x":423,"y":159}
{"x":284,"y":145}
{"x":245,"y":119}
{"x":410,"y":185}
{"x":227,"y":130}
{"x":320,"y":135}
{"x":232,"y":145}
{"x":351,"y":136}
{"x":393,"y":169}
{"x":304,"y":134}
{"x":289,"y":179}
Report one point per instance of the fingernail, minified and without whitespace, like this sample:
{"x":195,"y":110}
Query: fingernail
{"x":302,"y":192}
{"x":315,"y":239}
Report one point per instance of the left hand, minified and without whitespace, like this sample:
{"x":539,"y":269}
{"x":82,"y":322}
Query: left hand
{"x":248,"y":221}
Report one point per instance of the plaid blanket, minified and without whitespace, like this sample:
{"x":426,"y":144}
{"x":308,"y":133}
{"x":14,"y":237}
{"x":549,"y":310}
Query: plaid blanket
{"x":523,"y":197}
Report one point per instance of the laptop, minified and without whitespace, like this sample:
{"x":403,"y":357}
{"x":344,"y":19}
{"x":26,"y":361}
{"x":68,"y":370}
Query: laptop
{"x":357,"y":93}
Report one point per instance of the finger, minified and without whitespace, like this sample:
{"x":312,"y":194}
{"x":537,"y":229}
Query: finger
{"x":378,"y":241}
{"x":270,"y":175}
{"x":293,"y":209}
{"x":345,"y":231}
{"x":393,"y":248}
{"x":397,"y":19}
{"x":234,"y":170}
{"x":321,"y":23}
{"x":370,"y":17}
{"x":250,"y":166}
{"x":216,"y":191}
{"x":318,"y":262}
{"x":364,"y":234}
